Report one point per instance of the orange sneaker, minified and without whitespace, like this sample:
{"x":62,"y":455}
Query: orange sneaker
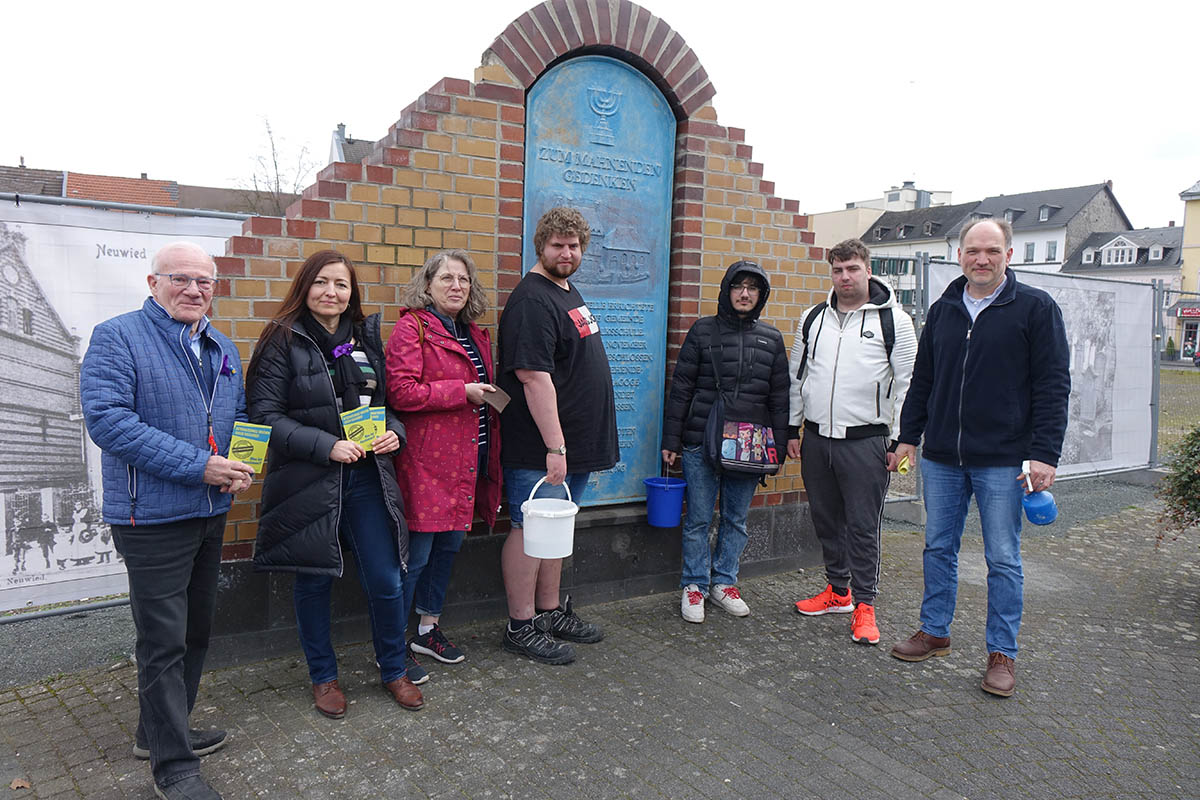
{"x":825,"y":603}
{"x":862,"y":624}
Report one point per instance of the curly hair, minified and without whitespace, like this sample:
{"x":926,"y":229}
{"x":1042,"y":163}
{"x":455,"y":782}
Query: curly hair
{"x":416,"y":293}
{"x":561,"y":221}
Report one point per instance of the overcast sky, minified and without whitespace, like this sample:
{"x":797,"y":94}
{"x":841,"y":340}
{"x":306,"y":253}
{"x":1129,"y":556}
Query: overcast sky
{"x":840,"y":100}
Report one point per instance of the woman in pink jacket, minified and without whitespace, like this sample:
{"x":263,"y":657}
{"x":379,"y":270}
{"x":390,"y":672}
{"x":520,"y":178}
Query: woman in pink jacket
{"x":439,"y":369}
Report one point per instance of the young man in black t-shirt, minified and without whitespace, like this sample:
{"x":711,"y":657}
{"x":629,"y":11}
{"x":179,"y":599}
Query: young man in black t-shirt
{"x":553,"y":365}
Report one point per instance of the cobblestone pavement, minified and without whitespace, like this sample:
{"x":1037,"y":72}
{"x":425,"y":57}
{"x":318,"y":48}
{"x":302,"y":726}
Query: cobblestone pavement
{"x":773,"y":705}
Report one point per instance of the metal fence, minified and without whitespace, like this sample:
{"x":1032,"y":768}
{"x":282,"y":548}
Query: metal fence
{"x":1177,"y":334}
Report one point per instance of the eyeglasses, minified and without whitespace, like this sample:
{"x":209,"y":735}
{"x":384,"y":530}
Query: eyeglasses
{"x":450,"y":280}
{"x":747,"y":286}
{"x":180,"y":281}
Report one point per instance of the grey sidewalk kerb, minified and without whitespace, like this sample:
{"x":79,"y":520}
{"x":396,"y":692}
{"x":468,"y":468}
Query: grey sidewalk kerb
{"x":771,"y":705}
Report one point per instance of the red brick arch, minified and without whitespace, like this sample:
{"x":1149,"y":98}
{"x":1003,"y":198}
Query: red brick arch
{"x":552,"y":30}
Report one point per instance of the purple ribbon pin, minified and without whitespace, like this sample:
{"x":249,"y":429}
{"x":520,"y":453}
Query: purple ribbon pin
{"x":342,"y":349}
{"x":226,"y":367}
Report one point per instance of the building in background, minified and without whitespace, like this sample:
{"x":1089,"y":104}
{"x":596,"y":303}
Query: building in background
{"x":831,"y":227}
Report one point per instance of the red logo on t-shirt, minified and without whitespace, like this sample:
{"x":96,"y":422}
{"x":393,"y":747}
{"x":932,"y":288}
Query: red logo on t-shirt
{"x":585,"y":321}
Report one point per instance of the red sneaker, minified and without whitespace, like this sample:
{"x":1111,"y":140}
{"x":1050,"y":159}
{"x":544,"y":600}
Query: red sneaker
{"x":825,"y":603}
{"x":862,"y":625}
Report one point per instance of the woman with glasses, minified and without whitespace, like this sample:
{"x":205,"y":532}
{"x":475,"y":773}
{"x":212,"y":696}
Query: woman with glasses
{"x":439,"y":372}
{"x":319,"y":357}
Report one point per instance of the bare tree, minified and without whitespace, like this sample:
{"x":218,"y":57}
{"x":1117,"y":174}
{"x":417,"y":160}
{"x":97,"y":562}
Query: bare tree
{"x":275,"y":183}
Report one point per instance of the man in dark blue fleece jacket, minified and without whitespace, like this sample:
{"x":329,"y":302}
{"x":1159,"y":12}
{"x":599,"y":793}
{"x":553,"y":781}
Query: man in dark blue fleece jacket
{"x":989,"y":391}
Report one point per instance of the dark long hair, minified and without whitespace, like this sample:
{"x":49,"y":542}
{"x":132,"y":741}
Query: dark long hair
{"x":296,"y":303}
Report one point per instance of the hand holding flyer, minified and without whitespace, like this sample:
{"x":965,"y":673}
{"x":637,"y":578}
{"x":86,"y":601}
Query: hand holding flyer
{"x":249,"y":444}
{"x":364,"y":424}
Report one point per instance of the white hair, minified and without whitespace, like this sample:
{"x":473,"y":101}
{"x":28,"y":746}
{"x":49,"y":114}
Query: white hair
{"x":164,"y":255}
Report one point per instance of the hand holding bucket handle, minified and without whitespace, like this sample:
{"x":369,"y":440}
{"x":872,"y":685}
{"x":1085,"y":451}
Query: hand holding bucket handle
{"x":533,"y":491}
{"x":1028,"y":480}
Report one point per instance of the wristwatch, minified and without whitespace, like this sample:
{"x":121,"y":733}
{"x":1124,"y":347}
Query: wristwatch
{"x":560,"y":450}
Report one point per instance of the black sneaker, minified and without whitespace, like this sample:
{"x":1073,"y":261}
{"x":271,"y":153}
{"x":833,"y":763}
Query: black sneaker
{"x":415,"y":672}
{"x":437,"y":645}
{"x":192,"y":787}
{"x":534,"y":641}
{"x":202,"y":742}
{"x":566,"y":624}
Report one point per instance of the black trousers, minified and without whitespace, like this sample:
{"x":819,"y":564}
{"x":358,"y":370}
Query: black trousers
{"x":173,"y":572}
{"x":847,"y":482}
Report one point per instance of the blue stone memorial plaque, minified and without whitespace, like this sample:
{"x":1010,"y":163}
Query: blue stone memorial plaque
{"x":600,"y":137}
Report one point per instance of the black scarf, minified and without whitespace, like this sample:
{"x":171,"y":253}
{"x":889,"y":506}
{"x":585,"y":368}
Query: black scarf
{"x":348,"y":380}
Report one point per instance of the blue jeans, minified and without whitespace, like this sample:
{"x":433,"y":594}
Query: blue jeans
{"x":700,"y":566}
{"x":430,"y":558}
{"x":948,"y":491}
{"x":365,"y":523}
{"x":518,"y":483}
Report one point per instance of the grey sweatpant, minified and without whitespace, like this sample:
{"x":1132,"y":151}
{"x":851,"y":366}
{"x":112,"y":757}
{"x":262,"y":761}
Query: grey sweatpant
{"x":847,"y":481}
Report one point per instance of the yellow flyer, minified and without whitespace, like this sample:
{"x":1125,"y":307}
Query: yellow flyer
{"x":249,"y":444}
{"x":364,"y":424}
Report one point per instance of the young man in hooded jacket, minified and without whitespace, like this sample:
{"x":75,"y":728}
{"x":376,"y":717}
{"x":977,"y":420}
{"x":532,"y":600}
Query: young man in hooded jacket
{"x":851,"y":364}
{"x":752,"y":361}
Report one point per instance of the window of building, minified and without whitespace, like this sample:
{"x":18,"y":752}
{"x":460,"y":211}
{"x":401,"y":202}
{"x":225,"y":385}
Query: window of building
{"x":1043,"y":213}
{"x":1029,"y":251}
{"x":881,"y":232}
{"x":907,"y":296}
{"x":893,"y":197}
{"x":1088,"y":256}
{"x":1052,"y":250}
{"x":1008,"y":215}
{"x":1156,"y":253}
{"x":930,"y":228}
{"x":1119,"y":255}
{"x":27,"y":322}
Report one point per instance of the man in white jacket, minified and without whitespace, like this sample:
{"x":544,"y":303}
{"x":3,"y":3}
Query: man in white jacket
{"x":851,"y":363}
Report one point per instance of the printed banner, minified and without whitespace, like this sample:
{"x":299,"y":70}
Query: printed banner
{"x":63,"y":270}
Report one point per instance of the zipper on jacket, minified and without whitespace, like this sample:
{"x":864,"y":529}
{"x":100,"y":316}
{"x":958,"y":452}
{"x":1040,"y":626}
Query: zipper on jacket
{"x":878,"y":411}
{"x":962,"y":385}
{"x":208,"y":404}
{"x":837,"y":352}
{"x":337,"y":520}
{"x":131,"y":487}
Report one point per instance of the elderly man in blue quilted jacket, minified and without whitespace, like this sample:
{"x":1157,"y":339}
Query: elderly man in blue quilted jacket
{"x":161,"y":389}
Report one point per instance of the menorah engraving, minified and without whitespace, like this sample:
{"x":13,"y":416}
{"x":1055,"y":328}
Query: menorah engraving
{"x":604,"y":103}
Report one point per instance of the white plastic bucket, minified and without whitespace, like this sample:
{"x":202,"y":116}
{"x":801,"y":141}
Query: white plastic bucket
{"x":549,"y":524}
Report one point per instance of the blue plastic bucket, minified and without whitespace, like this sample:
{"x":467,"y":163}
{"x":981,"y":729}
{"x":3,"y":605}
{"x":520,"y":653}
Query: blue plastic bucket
{"x":664,"y":501}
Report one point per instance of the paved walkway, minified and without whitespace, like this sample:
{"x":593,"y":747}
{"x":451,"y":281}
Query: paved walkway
{"x":774,"y":705}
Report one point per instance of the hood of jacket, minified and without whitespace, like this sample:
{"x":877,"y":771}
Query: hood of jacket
{"x":725,"y":307}
{"x":879,"y":295}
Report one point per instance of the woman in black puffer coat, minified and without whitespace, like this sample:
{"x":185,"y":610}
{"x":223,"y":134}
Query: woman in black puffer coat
{"x":316,"y":359}
{"x":751,"y":359}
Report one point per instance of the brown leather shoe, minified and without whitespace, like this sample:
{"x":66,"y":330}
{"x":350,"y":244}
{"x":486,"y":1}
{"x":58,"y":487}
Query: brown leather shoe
{"x":999,"y":678}
{"x":921,"y":646}
{"x":404,"y":692}
{"x":329,"y":700}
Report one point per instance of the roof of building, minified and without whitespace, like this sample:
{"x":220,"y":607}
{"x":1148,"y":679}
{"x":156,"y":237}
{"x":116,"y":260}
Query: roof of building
{"x":943,"y":218}
{"x":1064,"y":205}
{"x":1191,"y":193}
{"x":115,"y":189}
{"x":355,"y":150}
{"x":1169,"y":239}
{"x":23,"y":180}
